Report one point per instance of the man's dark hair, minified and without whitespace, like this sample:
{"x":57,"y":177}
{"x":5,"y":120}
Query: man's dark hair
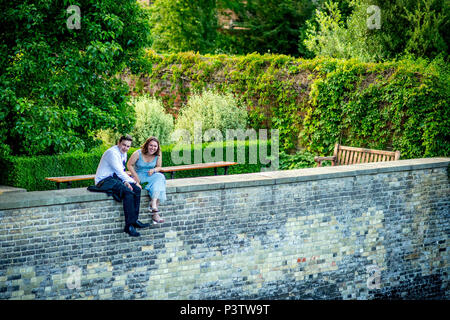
{"x":126,"y":137}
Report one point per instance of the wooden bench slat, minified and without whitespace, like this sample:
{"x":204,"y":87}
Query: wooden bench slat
{"x":353,"y":157}
{"x":366,"y":150}
{"x":360,"y":156}
{"x":356,"y":157}
{"x":339,"y":157}
{"x":347,"y":155}
{"x":197,"y":166}
{"x":71,"y":178}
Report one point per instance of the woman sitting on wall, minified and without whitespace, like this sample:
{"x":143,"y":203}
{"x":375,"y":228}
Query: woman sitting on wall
{"x":144,"y":165}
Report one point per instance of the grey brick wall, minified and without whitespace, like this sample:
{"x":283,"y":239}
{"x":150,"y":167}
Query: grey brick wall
{"x":373,"y":231}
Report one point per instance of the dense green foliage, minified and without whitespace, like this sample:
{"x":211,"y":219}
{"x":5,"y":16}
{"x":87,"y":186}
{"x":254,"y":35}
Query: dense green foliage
{"x":404,"y":107}
{"x":258,"y":26}
{"x":184,"y":25}
{"x":315,"y":103}
{"x":370,"y":30}
{"x":209,"y":110}
{"x":57,"y":78}
{"x":378,"y":30}
{"x":59,"y":83}
{"x":151,"y":120}
{"x":30,"y":172}
{"x":299,"y":160}
{"x":271,"y":25}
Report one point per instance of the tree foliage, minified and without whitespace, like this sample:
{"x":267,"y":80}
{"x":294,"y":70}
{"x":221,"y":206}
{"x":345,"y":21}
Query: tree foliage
{"x":184,"y":25}
{"x":262,"y":26}
{"x":57,"y":79}
{"x":416,"y":27}
{"x":429,"y":23}
{"x":272,"y":25}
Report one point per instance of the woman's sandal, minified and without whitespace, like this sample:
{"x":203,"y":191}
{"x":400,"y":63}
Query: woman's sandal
{"x":158,"y":219}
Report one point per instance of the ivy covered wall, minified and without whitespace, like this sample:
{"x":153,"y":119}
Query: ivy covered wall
{"x":400,"y":105}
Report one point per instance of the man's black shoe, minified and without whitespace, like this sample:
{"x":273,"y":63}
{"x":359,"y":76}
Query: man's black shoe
{"x":131,"y":231}
{"x":139,"y":224}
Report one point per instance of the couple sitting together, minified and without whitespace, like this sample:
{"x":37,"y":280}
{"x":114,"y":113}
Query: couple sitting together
{"x":144,"y":166}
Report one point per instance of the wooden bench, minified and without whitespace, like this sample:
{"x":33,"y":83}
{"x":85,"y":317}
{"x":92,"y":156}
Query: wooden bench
{"x":171,"y":170}
{"x":70,"y":179}
{"x":214,"y":165}
{"x":344,"y":155}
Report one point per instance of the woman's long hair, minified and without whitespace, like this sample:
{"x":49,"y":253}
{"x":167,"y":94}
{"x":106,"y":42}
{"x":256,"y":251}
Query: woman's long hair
{"x":144,"y":148}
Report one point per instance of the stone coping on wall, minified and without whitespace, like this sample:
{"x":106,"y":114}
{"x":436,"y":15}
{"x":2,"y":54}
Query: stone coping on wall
{"x":65,"y":196}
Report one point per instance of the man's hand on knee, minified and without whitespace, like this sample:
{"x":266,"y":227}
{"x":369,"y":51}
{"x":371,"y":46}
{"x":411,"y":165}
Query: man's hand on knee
{"x":128,"y":185}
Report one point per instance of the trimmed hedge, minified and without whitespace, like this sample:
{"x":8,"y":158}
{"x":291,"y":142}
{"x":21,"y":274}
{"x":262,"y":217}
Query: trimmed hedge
{"x":397,"y":105}
{"x":30,"y":172}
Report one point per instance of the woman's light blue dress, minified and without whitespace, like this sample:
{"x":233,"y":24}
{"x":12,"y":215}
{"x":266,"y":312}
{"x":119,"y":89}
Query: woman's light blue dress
{"x":156,"y":183}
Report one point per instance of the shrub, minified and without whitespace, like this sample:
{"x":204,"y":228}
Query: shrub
{"x":30,"y":172}
{"x":151,"y":120}
{"x":302,"y":159}
{"x":211,"y":110}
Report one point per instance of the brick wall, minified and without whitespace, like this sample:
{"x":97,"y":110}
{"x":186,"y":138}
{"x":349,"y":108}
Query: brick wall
{"x":372,"y":231}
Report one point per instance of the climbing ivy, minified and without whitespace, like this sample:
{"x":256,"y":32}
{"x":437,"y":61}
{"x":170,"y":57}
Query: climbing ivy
{"x":401,"y":105}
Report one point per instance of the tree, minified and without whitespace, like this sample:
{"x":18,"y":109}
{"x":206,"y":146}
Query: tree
{"x":327,"y":36}
{"x":184,"y":25}
{"x":58,"y":61}
{"x":354,"y":36}
{"x":379,"y":30}
{"x":429,"y":25}
{"x":259,"y":26}
{"x":272,"y":25}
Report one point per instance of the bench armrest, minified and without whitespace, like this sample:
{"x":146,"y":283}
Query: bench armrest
{"x":319,"y":160}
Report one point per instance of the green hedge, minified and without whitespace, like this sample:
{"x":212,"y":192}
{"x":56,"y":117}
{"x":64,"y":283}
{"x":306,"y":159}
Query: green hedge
{"x":30,"y":172}
{"x":398,"y":105}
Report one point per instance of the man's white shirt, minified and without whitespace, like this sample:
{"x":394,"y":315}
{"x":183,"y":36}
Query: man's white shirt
{"x":112,"y":162}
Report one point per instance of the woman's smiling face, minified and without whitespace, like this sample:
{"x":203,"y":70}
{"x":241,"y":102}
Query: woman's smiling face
{"x":152,"y":147}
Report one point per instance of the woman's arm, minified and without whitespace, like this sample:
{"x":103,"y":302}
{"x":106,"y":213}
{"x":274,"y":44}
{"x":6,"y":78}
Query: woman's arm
{"x":159,"y":161}
{"x":157,"y":166}
{"x":131,"y":163}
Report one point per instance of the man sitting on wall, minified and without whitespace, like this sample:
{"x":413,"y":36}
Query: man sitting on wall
{"x":112,"y":179}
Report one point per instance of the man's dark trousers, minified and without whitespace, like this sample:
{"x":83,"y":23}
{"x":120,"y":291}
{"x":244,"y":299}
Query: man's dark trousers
{"x":131,"y":199}
{"x":131,"y":204}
